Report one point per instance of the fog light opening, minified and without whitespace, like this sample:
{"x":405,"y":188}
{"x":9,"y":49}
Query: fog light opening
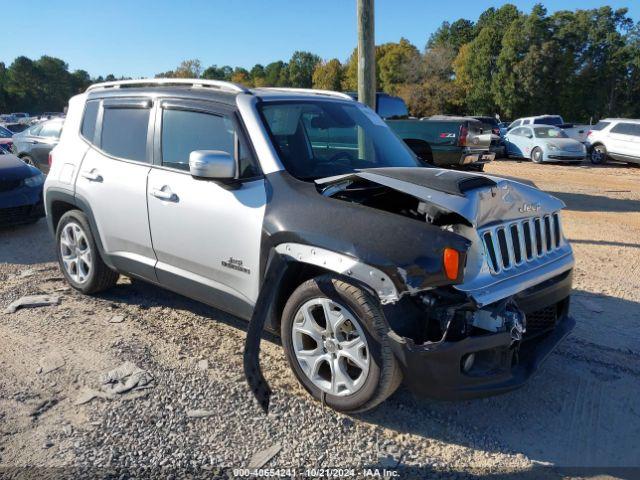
{"x":468,"y":361}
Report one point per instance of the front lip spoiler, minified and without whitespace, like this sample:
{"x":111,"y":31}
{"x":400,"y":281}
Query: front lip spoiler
{"x":511,"y":285}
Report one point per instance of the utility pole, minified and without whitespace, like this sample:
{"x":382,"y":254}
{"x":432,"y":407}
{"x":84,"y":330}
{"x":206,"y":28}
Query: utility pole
{"x":366,"y":54}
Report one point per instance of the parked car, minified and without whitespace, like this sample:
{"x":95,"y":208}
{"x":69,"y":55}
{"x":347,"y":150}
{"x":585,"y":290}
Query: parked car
{"x":20,"y":191}
{"x":446,"y":141}
{"x":20,"y":116}
{"x":576,"y":131}
{"x":544,"y":143}
{"x":6,"y":138}
{"x":303,"y":212}
{"x":490,"y":124}
{"x":34,"y":144}
{"x":615,"y":138}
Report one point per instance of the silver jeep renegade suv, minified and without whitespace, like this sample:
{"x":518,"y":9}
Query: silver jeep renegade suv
{"x":300,"y":211}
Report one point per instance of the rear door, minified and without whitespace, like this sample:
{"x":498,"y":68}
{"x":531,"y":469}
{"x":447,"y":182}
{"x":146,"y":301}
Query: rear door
{"x":622,"y":140}
{"x":206,"y":234}
{"x":113,"y":179}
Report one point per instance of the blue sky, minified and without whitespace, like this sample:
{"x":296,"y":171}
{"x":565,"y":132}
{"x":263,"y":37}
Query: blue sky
{"x":144,"y":37}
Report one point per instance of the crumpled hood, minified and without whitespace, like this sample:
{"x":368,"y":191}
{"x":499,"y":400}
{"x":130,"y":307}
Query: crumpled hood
{"x":12,"y":168}
{"x":479,"y":199}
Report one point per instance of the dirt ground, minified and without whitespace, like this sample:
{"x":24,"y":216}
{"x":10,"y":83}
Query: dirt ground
{"x":580,"y":410}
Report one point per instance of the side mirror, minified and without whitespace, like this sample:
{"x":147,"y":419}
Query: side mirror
{"x":213,"y":164}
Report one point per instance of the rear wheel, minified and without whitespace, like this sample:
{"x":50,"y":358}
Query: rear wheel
{"x":598,"y":154}
{"x":78,"y":256}
{"x":335,"y":337}
{"x":536,"y":155}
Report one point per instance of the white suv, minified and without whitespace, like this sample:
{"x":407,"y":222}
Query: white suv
{"x":615,"y":138}
{"x":302,"y":211}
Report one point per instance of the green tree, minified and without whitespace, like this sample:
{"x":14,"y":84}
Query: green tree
{"x":452,"y":35}
{"x":258,"y":77}
{"x":328,"y":75}
{"x":301,"y":67}
{"x":276,"y":74}
{"x":218,"y":73}
{"x":397,"y":64}
{"x":22,"y":81}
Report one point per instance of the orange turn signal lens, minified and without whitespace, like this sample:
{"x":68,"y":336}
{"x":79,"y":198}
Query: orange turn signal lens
{"x":451,"y":263}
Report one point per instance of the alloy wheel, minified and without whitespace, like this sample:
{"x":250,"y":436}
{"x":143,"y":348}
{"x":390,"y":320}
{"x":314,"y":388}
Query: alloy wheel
{"x":75,"y":252}
{"x":330,"y":347}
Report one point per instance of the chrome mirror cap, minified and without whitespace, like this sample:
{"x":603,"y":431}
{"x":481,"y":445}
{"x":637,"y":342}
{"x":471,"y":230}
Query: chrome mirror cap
{"x":214,"y":164}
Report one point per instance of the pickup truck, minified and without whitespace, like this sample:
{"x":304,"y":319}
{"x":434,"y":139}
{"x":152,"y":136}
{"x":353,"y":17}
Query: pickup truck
{"x":447,"y":141}
{"x":573,"y":130}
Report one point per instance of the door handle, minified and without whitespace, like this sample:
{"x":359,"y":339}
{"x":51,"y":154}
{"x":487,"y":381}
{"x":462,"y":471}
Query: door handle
{"x":92,"y":176}
{"x":166,"y":195}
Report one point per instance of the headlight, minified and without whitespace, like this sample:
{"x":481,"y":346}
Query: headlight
{"x":34,"y":181}
{"x":552,"y":146}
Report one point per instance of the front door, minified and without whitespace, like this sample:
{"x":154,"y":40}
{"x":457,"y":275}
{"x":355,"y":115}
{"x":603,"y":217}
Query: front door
{"x":206,"y":235}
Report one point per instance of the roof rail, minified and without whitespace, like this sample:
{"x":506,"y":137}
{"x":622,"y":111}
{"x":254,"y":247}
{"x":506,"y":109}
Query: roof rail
{"x":312,"y":91}
{"x":196,"y":83}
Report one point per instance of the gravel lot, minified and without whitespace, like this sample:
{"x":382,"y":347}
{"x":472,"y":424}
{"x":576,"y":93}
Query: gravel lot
{"x":580,"y":410}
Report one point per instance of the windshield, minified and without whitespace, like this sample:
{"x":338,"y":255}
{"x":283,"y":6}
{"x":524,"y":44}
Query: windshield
{"x":550,"y":132}
{"x":5,"y":133}
{"x":318,"y":139}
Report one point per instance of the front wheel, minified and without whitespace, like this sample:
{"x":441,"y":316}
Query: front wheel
{"x":335,"y":337}
{"x":78,"y":256}
{"x":536,"y":155}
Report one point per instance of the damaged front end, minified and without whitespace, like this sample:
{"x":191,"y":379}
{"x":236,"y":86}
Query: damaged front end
{"x":488,"y":333}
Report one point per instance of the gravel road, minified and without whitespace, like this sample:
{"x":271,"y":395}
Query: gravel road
{"x":580,"y":410}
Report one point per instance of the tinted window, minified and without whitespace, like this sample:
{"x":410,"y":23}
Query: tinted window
{"x":526,"y":122}
{"x":550,"y":120}
{"x":184,"y":132}
{"x":4,"y":133}
{"x":626,"y":129}
{"x":89,"y":120}
{"x":51,"y":129}
{"x":124,"y":132}
{"x":391,"y":107}
{"x":600,"y":125}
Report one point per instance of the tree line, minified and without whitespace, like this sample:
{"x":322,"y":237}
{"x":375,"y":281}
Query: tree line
{"x":583,"y":64}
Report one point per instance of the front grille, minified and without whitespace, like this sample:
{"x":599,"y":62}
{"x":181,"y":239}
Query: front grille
{"x":513,"y":244}
{"x":542,"y":320}
{"x":8,"y":185}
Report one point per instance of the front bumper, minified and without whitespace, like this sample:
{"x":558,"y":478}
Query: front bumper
{"x":22,"y":205}
{"x":564,"y":156}
{"x":436,"y":369}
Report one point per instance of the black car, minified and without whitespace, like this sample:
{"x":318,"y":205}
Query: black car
{"x":20,"y":191}
{"x":34,"y":144}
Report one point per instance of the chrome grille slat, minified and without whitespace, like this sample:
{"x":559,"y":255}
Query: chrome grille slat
{"x":542,"y":237}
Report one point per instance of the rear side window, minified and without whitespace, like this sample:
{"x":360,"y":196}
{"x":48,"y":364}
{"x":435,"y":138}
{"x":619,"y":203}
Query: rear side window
{"x":600,"y":126}
{"x":124,"y":132}
{"x":551,"y":120}
{"x":392,"y":107}
{"x":88,"y":129}
{"x":627,"y":129}
{"x":184,"y":131}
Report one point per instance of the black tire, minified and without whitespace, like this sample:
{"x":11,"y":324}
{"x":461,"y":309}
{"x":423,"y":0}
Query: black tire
{"x":598,"y":155}
{"x":384,"y":374}
{"x":100,"y":277}
{"x":536,"y":155}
